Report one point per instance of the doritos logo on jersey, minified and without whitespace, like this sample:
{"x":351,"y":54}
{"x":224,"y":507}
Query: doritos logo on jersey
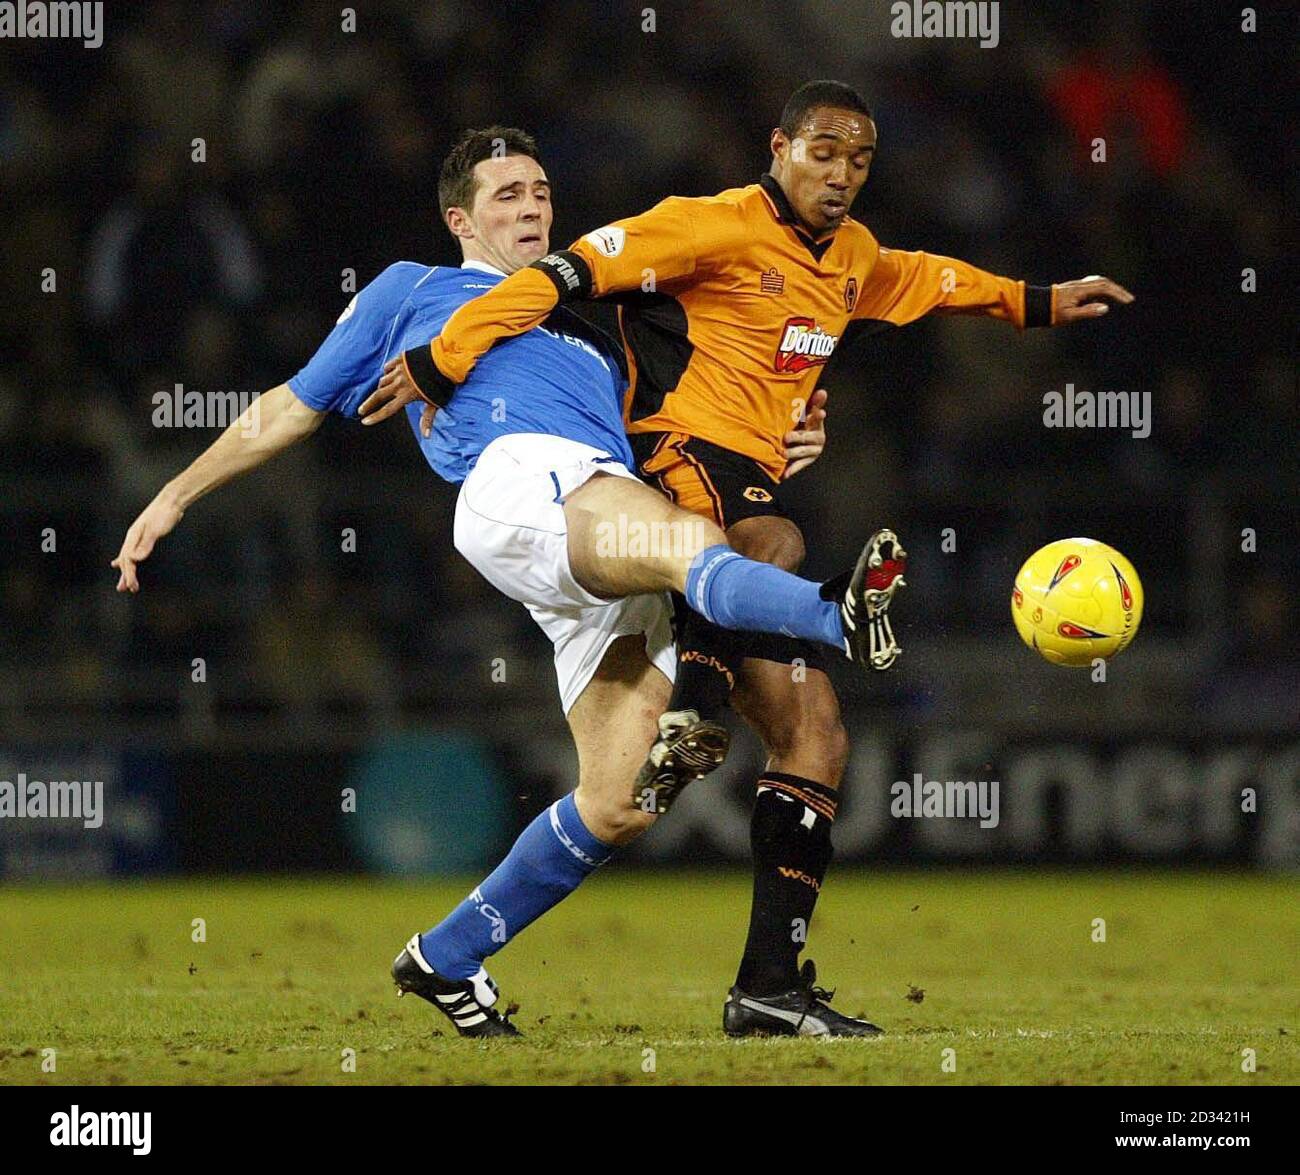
{"x":1077,"y":632}
{"x":1068,"y":564}
{"x":803,"y":345}
{"x":757,"y":494}
{"x":1125,"y":593}
{"x":608,"y":240}
{"x":850,"y":295}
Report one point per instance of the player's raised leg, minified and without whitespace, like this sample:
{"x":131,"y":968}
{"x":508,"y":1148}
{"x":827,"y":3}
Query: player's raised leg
{"x":680,"y":551}
{"x":613,"y":721}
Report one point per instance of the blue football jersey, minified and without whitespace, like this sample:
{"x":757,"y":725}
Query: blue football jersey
{"x":563,"y":378}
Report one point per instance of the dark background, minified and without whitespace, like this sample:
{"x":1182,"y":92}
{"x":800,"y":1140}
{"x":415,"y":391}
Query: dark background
{"x":322,"y":151}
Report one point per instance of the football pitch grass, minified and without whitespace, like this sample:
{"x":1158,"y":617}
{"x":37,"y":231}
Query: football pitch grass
{"x":624,"y":983}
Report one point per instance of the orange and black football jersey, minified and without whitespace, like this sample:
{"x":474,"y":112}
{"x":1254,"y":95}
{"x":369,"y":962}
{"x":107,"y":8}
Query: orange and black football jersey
{"x":729,"y":310}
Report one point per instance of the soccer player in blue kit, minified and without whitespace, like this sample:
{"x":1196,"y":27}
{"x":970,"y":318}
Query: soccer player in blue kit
{"x":535,"y":439}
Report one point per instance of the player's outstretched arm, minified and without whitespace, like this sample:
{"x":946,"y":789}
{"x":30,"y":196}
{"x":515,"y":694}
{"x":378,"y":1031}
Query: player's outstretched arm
{"x":905,"y":286}
{"x":271,"y":423}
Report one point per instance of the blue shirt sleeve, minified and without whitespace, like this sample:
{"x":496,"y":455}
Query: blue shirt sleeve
{"x":347,"y":366}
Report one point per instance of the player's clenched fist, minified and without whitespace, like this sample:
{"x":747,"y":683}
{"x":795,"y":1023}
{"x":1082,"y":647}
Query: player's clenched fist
{"x":159,"y":518}
{"x":1085,"y":298}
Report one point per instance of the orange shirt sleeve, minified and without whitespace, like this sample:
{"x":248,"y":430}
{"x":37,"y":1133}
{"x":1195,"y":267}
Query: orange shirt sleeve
{"x":905,"y":286}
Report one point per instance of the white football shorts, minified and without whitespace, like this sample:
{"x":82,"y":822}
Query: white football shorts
{"x":510,"y":525}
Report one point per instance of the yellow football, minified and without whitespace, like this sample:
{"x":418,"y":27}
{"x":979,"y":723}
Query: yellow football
{"x":1075,"y":600}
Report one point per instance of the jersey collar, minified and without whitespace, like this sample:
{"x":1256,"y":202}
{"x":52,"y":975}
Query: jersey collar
{"x":784,"y":212}
{"x":482,"y":267}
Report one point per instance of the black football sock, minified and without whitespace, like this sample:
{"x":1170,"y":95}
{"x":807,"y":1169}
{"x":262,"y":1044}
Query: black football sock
{"x":790,"y":833}
{"x":707,"y":658}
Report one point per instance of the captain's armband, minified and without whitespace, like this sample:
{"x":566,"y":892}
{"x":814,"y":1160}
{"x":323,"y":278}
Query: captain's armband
{"x":568,"y":271}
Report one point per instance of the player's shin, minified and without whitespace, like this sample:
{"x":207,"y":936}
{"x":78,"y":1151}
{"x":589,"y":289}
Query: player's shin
{"x":707,"y":659}
{"x":551,"y":858}
{"x":790,"y":835}
{"x":740,"y":593}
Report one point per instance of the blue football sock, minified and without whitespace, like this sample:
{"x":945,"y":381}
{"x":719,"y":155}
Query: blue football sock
{"x":547,"y":863}
{"x":736,"y":592}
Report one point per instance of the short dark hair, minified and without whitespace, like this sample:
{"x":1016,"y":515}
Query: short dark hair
{"x":811,"y":95}
{"x":456,"y":181}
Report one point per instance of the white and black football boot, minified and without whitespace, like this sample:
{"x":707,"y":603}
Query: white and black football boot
{"x":687,"y":749}
{"x":467,"y":1003}
{"x":801,"y":1011}
{"x":865,"y":595}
